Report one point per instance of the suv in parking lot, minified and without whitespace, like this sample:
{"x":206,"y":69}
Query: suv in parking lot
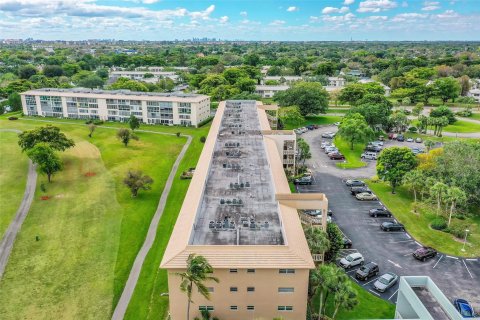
{"x":385,"y":281}
{"x":352,"y":260}
{"x":424,"y":253}
{"x":303,"y":180}
{"x":392,"y":226}
{"x":379,"y":212}
{"x":367,"y":271}
{"x":355,"y":190}
{"x":336,"y":156}
{"x":369,"y":155}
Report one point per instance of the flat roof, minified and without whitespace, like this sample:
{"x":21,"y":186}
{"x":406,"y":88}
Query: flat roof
{"x":238,"y":205}
{"x":271,"y":87}
{"x":177,"y":94}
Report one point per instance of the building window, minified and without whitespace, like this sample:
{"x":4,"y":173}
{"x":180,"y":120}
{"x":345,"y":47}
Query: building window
{"x":286,"y":271}
{"x":250,"y":270}
{"x":233,"y":270}
{"x":233,"y":307}
{"x":207,"y":308}
{"x":250,"y":308}
{"x":286,"y":289}
{"x":285,"y":308}
{"x":233,"y":289}
{"x":250,"y":289}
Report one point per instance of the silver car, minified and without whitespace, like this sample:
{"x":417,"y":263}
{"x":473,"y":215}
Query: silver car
{"x":385,"y":281}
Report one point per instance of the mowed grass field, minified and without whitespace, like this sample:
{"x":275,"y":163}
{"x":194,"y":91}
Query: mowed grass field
{"x":351,"y":156}
{"x":90,"y":229}
{"x":462,"y":126}
{"x":13,"y":178}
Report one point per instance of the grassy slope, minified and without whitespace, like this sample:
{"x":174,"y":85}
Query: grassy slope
{"x":133,"y":217}
{"x":352,"y":156}
{"x":147,"y":302}
{"x":401,"y":204}
{"x":13,"y":178}
{"x":463,"y":127}
{"x":475,"y":116}
{"x":320,"y":120}
{"x":369,"y":307}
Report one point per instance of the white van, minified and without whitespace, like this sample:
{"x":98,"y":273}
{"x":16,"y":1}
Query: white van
{"x":369,"y":155}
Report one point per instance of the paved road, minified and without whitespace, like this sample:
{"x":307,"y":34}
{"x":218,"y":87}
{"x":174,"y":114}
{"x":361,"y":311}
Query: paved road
{"x":8,"y":239}
{"x":127,"y":293}
{"x":391,"y":250}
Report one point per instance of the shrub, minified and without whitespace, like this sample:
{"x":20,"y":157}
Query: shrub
{"x":98,"y":122}
{"x":458,"y":229}
{"x":12,"y":118}
{"x":439,"y":224}
{"x":413,"y":129}
{"x":204,"y":122}
{"x":88,"y":121}
{"x":203,"y":139}
{"x":178,"y":134}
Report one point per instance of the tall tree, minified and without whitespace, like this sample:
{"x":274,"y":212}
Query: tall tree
{"x":455,"y":195}
{"x":91,"y":129}
{"x":44,"y":156}
{"x":354,"y":129}
{"x":304,"y":150}
{"x":320,"y":279}
{"x":439,"y":192}
{"x":15,"y":101}
{"x":125,"y":136}
{"x":345,"y":296}
{"x":393,"y":163}
{"x":447,"y":88}
{"x":197,"y":273}
{"x":136,"y":181}
{"x":317,"y":240}
{"x":291,"y":116}
{"x":464,"y":85}
{"x":26,"y":71}
{"x":310,"y":97}
{"x":48,"y":134}
{"x":133,"y":122}
{"x":414,"y":181}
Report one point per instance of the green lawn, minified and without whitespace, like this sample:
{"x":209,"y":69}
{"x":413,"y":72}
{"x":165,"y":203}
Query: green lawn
{"x":319,"y":120}
{"x":91,"y":229}
{"x":418,"y":225}
{"x":351,"y":156}
{"x":462,"y":126}
{"x":340,"y":110}
{"x":369,"y":307}
{"x":13,"y":178}
{"x":475,"y":116}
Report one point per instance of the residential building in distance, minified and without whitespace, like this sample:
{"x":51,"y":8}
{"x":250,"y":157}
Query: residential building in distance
{"x":240,"y":215}
{"x":117,"y":105}
{"x":337,"y":82}
{"x":475,"y":94}
{"x":266,"y":91}
{"x":283,"y":79}
{"x":140,"y":75}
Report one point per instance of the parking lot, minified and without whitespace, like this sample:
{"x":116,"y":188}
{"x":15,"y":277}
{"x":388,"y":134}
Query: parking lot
{"x":392,"y":251}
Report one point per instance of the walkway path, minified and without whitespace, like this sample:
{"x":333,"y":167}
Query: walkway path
{"x":129,"y":288}
{"x":9,"y":238}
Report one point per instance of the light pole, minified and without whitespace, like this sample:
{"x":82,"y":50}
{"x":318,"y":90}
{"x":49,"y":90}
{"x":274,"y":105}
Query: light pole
{"x":465,"y":240}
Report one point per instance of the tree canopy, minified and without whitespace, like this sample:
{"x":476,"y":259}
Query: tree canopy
{"x":48,"y":134}
{"x":309,"y":97}
{"x":393,"y":164}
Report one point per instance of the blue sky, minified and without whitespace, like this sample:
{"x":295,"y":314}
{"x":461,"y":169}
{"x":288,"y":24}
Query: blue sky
{"x":241,"y":19}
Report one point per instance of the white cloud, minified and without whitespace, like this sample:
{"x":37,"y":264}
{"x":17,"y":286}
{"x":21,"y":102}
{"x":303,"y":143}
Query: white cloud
{"x":412,"y":16}
{"x":202,"y":15}
{"x":223,"y":19}
{"x":347,"y":17}
{"x":277,"y":23}
{"x":431,"y":5}
{"x":348,"y":2}
{"x":243,"y":13}
{"x":376,"y":5}
{"x":292,"y":9}
{"x":448,"y":14}
{"x":329,"y":10}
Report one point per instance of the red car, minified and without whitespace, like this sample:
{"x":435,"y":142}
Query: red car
{"x":336,"y":156}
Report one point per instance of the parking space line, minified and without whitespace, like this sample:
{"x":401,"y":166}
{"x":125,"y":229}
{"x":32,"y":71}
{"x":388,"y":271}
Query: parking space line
{"x":452,"y":257}
{"x":395,"y":264}
{"x":438,"y":261}
{"x":471,"y":259}
{"x":352,"y":270}
{"x":418,"y":244}
{"x":408,"y":254}
{"x":408,"y":235}
{"x":393,"y":295}
{"x":353,"y":278}
{"x":378,"y":294}
{"x":467,"y":269}
{"x":402,"y":241}
{"x":370,"y":281}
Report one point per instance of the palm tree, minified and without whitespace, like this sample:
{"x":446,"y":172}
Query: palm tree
{"x":414,"y":180}
{"x":320,"y":280}
{"x":198,"y":270}
{"x":345,"y":296}
{"x":317,"y":239}
{"x":455,"y":195}
{"x":439,"y":191}
{"x":429,"y":144}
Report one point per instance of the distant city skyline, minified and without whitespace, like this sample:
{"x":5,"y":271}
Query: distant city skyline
{"x":279,"y":20}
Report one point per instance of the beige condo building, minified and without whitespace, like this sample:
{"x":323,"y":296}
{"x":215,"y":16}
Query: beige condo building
{"x":240,"y":215}
{"x":117,"y":105}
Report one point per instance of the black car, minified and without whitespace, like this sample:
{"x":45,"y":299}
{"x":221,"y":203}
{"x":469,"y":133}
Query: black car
{"x":392,"y":226}
{"x":355,"y":190}
{"x":304,"y":180}
{"x":355,"y":183}
{"x":380,"y":212}
{"x":347,"y":243}
{"x":367,"y":271}
{"x":424,"y":253}
{"x":400,"y":138}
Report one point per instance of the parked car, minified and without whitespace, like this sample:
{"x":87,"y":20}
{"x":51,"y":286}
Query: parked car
{"x":336,"y":156}
{"x":330,"y":149}
{"x":317,"y":214}
{"x":367,"y":271}
{"x":464,"y":308}
{"x":392,"y":226}
{"x":337,"y":123}
{"x":409,"y":139}
{"x":356,"y":190}
{"x":347,"y":243}
{"x":352,"y":260}
{"x":369,"y":155}
{"x":381,"y":138}
{"x":325,"y":144}
{"x":424,"y":253}
{"x":304,"y":129}
{"x":366,"y":196}
{"x":418,"y":140}
{"x":373,"y":148}
{"x":328,"y":135}
{"x":390,"y":136}
{"x":376,"y":143}
{"x":385,"y":282}
{"x":310,"y":127}
{"x":355,"y":183}
{"x":400,"y":138}
{"x":380,"y":212}
{"x":297,"y":131}
{"x":303,"y":180}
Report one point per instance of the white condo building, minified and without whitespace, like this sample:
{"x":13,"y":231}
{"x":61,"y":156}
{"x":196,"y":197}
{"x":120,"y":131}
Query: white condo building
{"x":118,"y":105}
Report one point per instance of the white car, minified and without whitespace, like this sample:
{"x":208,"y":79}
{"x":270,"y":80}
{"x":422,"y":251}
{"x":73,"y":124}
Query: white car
{"x":330,"y":149}
{"x":352,"y":260}
{"x":377,"y":143}
{"x":325,"y":144}
{"x":297,"y":131}
{"x":337,"y":123}
{"x":369,"y":155}
{"x":410,"y":140}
